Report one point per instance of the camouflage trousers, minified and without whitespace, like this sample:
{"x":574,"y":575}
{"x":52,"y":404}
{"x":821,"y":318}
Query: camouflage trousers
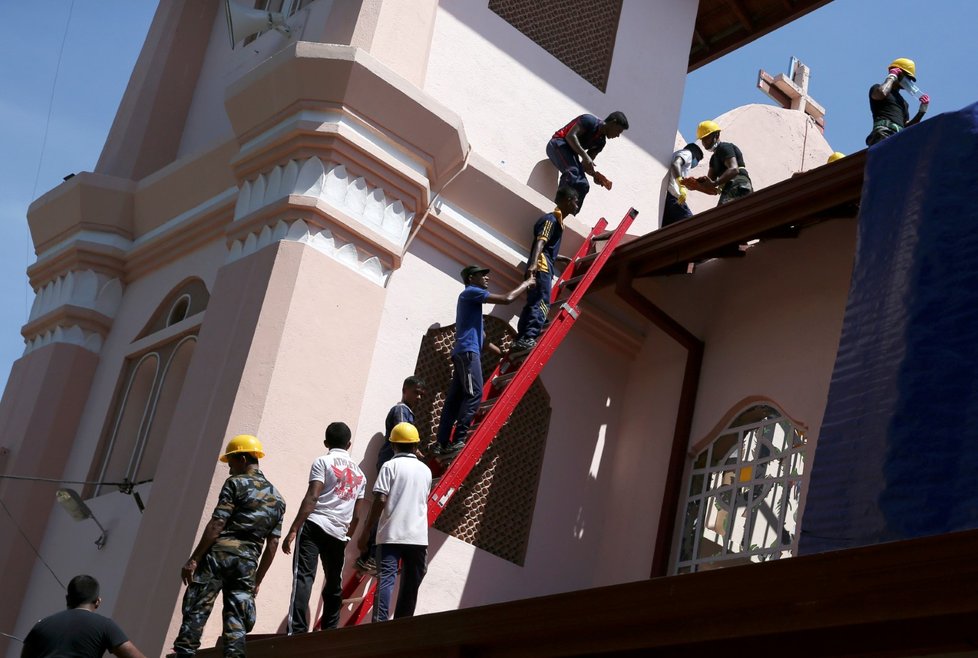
{"x":235,"y":577}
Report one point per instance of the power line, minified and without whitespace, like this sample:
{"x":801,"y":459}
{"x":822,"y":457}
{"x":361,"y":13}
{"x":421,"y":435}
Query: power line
{"x":31,"y":478}
{"x":44,"y":139}
{"x":31,"y":544}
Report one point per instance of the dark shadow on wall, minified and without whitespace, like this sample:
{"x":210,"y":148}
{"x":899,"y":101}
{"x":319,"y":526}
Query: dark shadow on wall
{"x":543,"y":178}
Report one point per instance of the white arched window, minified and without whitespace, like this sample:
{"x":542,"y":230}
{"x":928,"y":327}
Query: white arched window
{"x":744,"y":493}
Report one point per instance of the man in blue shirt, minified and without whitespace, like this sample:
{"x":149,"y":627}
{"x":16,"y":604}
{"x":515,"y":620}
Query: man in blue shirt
{"x":573,"y":148}
{"x":544,"y":251}
{"x":465,"y":391}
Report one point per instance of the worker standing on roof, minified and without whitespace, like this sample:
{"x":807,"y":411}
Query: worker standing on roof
{"x":327,"y":514}
{"x":544,"y":253}
{"x":683,"y":160}
{"x":891,"y":114}
{"x":412,"y":392}
{"x":465,"y":391}
{"x":249,"y":512}
{"x":400,"y":510}
{"x":573,"y":148}
{"x":727,"y":175}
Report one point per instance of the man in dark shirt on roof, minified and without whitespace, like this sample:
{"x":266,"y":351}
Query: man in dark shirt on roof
{"x":727,"y":177}
{"x":78,"y":631}
{"x":574,"y":147}
{"x":248,"y":514}
{"x":465,"y":391}
{"x":544,"y":253}
{"x":891,"y":114}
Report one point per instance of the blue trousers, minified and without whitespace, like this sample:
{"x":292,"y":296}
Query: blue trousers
{"x":537,"y":307}
{"x":674,"y":211}
{"x":463,"y":398}
{"x":569,"y":166}
{"x":414,"y":565}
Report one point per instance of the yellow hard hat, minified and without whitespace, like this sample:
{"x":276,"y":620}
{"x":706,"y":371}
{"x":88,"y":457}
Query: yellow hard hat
{"x":706,"y":128}
{"x":404,"y":433}
{"x":905,"y":65}
{"x":243,"y":443}
{"x":836,"y":156}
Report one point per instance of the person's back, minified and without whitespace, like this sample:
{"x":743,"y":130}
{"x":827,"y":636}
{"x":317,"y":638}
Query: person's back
{"x":78,"y":632}
{"x":74,"y":633}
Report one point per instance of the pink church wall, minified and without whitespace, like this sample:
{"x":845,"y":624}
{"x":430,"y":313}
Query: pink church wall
{"x":753,"y":325}
{"x":512,"y":95}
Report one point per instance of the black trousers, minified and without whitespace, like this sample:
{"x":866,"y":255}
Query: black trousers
{"x":312,"y":544}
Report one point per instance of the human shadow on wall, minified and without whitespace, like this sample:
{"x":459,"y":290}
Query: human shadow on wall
{"x":543,"y":178}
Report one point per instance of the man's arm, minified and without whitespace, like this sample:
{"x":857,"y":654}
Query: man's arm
{"x":267,"y":555}
{"x":921,"y":111}
{"x":127,"y":650}
{"x":535,"y":257}
{"x":575,"y":144}
{"x":511,"y":296}
{"x":211,"y":532}
{"x":375,"y":511}
{"x":313,"y":492}
{"x":731,"y":170}
{"x":879,"y":92}
{"x":357,"y":513}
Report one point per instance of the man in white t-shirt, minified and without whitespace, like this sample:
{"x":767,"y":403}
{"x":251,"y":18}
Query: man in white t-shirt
{"x":327,"y":513}
{"x":400,"y":509}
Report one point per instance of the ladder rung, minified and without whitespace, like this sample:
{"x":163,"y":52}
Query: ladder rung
{"x":571,"y":283}
{"x":486,"y":405}
{"x":355,"y":599}
{"x":502,"y":380}
{"x":587,"y":259}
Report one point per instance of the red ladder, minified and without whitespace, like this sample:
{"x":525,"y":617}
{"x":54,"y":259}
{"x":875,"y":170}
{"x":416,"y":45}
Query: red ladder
{"x":508,"y":384}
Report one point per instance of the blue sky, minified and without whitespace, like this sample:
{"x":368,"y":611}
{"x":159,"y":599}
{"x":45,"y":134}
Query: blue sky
{"x":847,"y":44}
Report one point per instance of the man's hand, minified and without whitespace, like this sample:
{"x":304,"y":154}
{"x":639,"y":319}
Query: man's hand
{"x":287,"y":542}
{"x":187,"y":573}
{"x":895,"y":71}
{"x":602,"y":180}
{"x":588,"y":165}
{"x":925,"y":100}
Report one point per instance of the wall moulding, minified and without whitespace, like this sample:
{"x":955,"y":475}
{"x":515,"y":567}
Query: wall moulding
{"x":333,"y":133}
{"x":79,"y":255}
{"x":347,"y":77}
{"x":322,"y":239}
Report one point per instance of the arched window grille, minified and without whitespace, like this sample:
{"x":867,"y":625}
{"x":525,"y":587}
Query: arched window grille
{"x":744,"y":493}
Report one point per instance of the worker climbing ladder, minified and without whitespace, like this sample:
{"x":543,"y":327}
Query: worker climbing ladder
{"x":509,"y":382}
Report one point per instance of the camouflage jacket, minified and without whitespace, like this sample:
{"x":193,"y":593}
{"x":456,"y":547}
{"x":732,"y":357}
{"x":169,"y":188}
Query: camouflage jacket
{"x":251,"y":509}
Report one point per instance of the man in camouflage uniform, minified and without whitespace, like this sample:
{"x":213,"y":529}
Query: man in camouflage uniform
{"x":249,"y":513}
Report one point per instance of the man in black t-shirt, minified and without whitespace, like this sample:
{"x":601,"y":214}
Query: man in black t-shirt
{"x":891,"y":114}
{"x":727,"y":177}
{"x":78,"y":632}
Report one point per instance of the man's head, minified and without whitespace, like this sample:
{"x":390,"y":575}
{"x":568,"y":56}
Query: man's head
{"x":404,"y":437}
{"x":566,"y":200}
{"x":615,"y":124}
{"x":412,"y":391}
{"x":708,"y":132}
{"x":696,"y":152}
{"x":83,"y":591}
{"x":242,"y":452}
{"x":337,"y":436}
{"x":477,"y":276}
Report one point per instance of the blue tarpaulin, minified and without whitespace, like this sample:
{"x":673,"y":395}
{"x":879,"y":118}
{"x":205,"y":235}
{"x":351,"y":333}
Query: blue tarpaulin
{"x":897,"y":453}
